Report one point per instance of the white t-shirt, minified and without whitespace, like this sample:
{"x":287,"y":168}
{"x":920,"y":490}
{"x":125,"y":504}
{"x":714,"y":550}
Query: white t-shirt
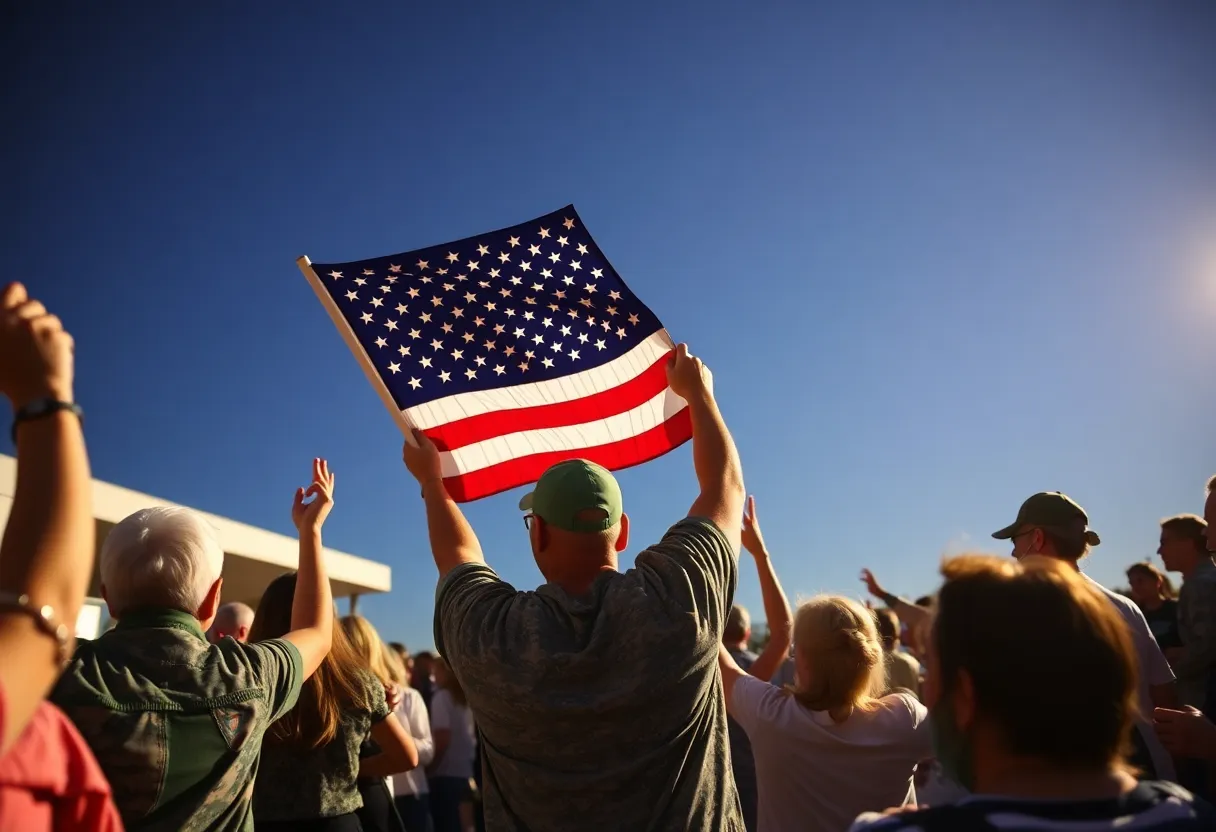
{"x":457,"y":760}
{"x":815,"y":774}
{"x":411,"y":713}
{"x":1154,"y":670}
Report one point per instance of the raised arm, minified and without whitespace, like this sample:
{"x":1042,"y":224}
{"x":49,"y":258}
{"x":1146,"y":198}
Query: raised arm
{"x":47,"y":553}
{"x":776,"y":608}
{"x":719,"y":472}
{"x":911,"y":615}
{"x":312,"y":608}
{"x":452,"y":539}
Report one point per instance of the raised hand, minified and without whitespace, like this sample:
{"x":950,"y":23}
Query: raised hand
{"x":422,"y":459}
{"x":311,"y":515}
{"x":36,"y":354}
{"x":753,"y":541}
{"x":1186,"y":733}
{"x":872,"y":584}
{"x":687,"y":375}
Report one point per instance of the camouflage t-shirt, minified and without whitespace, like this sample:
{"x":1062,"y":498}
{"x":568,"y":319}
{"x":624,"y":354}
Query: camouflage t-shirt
{"x":177,"y":723}
{"x":295,"y":784}
{"x":603,"y":711}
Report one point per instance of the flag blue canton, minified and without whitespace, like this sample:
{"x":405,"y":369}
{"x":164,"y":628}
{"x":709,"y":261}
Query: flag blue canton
{"x":529,"y":303}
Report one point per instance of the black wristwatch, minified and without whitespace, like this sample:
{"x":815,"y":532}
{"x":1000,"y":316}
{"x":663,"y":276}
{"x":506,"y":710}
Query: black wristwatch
{"x":40,"y":408}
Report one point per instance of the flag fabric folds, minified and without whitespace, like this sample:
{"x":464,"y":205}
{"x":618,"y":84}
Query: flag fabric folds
{"x":511,"y":350}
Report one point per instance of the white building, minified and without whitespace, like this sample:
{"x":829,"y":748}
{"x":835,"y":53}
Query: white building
{"x":253,"y":557}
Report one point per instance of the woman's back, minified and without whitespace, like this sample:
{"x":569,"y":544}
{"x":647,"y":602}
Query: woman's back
{"x":296,"y":783}
{"x":816,"y":774}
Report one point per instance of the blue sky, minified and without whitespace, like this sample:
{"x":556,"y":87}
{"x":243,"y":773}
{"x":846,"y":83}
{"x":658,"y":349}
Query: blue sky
{"x":938,"y":255}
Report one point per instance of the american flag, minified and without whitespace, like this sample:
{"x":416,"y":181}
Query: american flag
{"x":512,"y":351}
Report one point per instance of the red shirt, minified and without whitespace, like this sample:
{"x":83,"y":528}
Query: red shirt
{"x":50,"y":781}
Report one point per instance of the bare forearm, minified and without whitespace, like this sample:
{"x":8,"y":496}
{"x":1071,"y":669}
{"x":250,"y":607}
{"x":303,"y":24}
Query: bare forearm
{"x":780,"y":621}
{"x":47,"y":551}
{"x":719,"y":472}
{"x":313,"y":604}
{"x":453,"y":541}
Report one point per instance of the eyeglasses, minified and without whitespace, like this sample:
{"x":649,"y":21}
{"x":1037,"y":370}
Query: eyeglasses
{"x":528,"y":518}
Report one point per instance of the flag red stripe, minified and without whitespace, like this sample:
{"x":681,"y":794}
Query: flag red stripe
{"x":615,"y":455}
{"x":624,"y":397}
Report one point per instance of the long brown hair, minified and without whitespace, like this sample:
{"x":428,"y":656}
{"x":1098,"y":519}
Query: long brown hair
{"x":1153,"y":573}
{"x":337,"y":684}
{"x":365,"y":641}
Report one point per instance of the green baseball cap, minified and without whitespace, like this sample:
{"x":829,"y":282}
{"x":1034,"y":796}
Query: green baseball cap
{"x":569,"y":488}
{"x":1052,"y":511}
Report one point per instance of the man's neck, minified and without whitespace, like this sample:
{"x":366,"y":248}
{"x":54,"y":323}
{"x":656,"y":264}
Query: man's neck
{"x":1035,"y":780}
{"x":1195,"y":566}
{"x":581,"y":583}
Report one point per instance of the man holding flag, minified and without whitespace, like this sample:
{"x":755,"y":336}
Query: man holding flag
{"x":597,"y":696}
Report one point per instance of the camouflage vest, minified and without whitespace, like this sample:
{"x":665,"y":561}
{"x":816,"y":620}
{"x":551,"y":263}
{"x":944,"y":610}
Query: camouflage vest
{"x":175,"y":722}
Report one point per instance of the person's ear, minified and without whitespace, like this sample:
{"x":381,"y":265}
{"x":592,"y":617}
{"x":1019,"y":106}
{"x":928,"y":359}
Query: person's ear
{"x":622,"y":540}
{"x":211,"y":603}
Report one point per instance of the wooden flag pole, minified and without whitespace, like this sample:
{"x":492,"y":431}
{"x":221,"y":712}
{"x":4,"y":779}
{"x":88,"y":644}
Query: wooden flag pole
{"x":348,"y":335}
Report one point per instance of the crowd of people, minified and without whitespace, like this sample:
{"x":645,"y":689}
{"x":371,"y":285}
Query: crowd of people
{"x":1022,"y":695}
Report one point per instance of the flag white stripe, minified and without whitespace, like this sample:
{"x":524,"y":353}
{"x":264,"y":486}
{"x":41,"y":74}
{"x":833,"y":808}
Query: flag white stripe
{"x":555,"y":390}
{"x":510,"y":446}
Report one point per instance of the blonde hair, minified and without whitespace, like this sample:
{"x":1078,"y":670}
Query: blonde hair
{"x":367,"y":644}
{"x":396,"y":667}
{"x":837,"y":640}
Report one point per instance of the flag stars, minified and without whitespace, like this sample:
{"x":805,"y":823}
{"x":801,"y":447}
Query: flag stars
{"x":445,"y":376}
{"x":447,"y":287}
{"x":611,"y":310}
{"x":392,"y":325}
{"x":436,"y":344}
{"x":473,"y":265}
{"x":368,"y":271}
{"x":391,"y":279}
{"x":403,"y":350}
{"x":538,"y":339}
{"x":468,"y":337}
{"x":386,"y":288}
{"x":565,"y":330}
{"x":499,"y":369}
{"x":614,"y":295}
{"x":599,"y":344}
{"x":528,"y":316}
{"x":553,"y":307}
{"x":457,"y":355}
{"x":352,"y":295}
{"x":422,"y":264}
{"x":585,"y":302}
{"x":597,"y":272}
{"x":380,"y":342}
{"x":574,"y":354}
{"x":513,"y":241}
{"x":485,"y":284}
{"x":412,"y":292}
{"x":470,"y":374}
{"x":479,"y":321}
{"x":544,"y":233}
{"x":436,"y":301}
{"x":548,"y":362}
{"x":479,"y":360}
{"x":536,"y":287}
{"x":493,"y":273}
{"x":569,"y":223}
{"x":582,"y":249}
{"x":569,"y":281}
{"x":395,"y":269}
{"x":633,"y":319}
{"x":394,"y":367}
{"x":589,"y":288}
{"x":519,"y":332}
{"x":528,"y":354}
{"x":336,"y":275}
{"x":510,"y":313}
{"x":453,"y":257}
{"x":547,"y":322}
{"x":491,"y":306}
{"x":457,"y":312}
{"x":509,"y":351}
{"x":505,"y":292}
{"x":523,"y":366}
{"x":425,"y":362}
{"x":415,"y":334}
{"x":582,"y":338}
{"x":425,"y":279}
{"x":367,"y":317}
{"x":517,"y":281}
{"x":525,"y":266}
{"x":489,"y":345}
{"x":556,"y":346}
{"x":482,"y":250}
{"x":499,"y":329}
{"x":620,"y":332}
{"x":415,"y":383}
{"x":563,"y":242}
{"x":534,"y":250}
{"x":555,"y":257}
{"x":503,"y":257}
{"x":425,"y":317}
{"x":377,"y":302}
{"x":560,"y":294}
{"x":401,"y":308}
{"x":360,"y":281}
{"x":576,"y":265}
{"x":447,"y":329}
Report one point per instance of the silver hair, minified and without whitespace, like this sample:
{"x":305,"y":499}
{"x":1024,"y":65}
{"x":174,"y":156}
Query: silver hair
{"x":160,"y":557}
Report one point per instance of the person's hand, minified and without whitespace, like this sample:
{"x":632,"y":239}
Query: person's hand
{"x":312,"y":515}
{"x":1186,"y":733}
{"x":753,"y":541}
{"x":422,"y":459}
{"x":36,"y":354}
{"x":872,"y":584}
{"x":393,"y":694}
{"x":687,"y":376}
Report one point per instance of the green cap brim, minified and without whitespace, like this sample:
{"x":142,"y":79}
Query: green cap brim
{"x":1006,"y":533}
{"x":525,"y":502}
